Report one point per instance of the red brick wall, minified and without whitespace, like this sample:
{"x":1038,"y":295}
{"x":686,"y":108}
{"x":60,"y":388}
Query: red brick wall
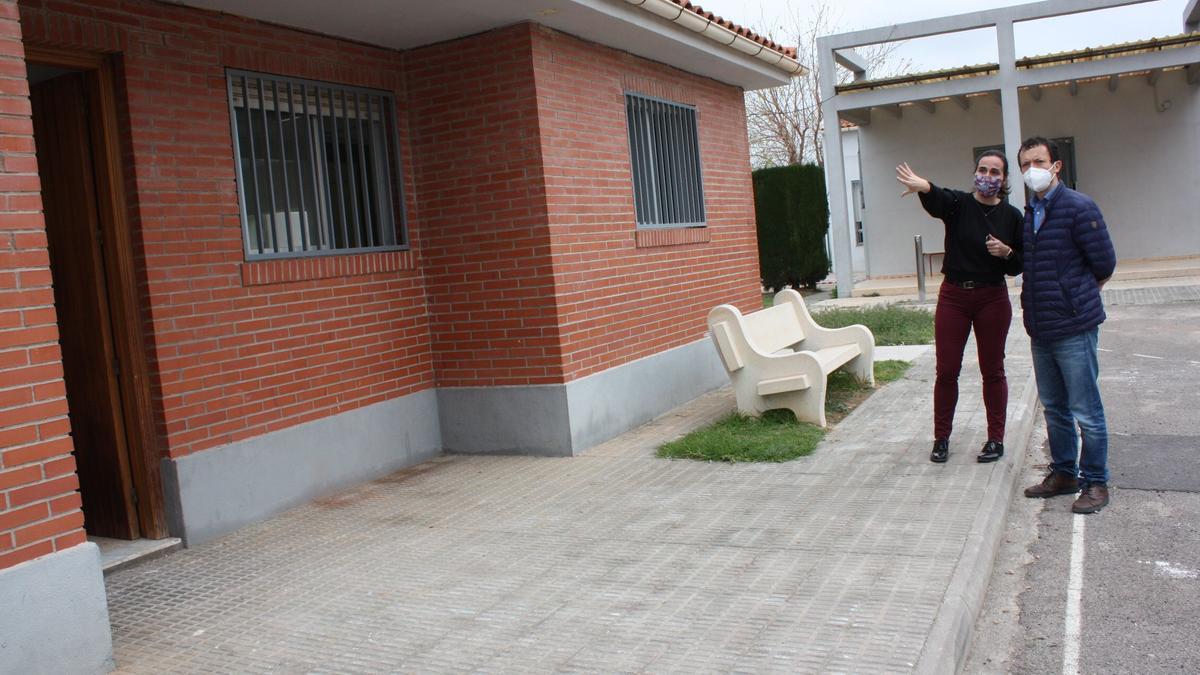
{"x":536,"y":273}
{"x":240,"y":349}
{"x":482,"y":205}
{"x":624,"y":295}
{"x":39,"y":508}
{"x":520,"y":207}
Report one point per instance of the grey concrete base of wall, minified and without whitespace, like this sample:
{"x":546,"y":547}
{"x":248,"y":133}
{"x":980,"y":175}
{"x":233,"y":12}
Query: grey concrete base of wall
{"x":217,"y":491}
{"x":54,"y":615}
{"x":565,"y":420}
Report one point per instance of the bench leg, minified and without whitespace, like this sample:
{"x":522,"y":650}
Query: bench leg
{"x":862,"y":368}
{"x":807,"y":405}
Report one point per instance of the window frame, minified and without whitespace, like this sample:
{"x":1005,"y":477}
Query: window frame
{"x":392,"y":160}
{"x":650,"y":145}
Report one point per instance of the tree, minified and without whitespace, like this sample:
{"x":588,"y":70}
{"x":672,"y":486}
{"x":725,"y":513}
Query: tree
{"x":792,"y":219}
{"x":785,"y":124}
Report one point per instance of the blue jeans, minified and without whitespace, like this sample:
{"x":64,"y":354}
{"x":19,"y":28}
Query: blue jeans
{"x":1067,"y":373}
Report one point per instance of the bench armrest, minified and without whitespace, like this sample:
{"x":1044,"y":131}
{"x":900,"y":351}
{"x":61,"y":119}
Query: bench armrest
{"x":819,"y":337}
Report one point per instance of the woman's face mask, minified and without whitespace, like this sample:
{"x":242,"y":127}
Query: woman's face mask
{"x":988,"y":186}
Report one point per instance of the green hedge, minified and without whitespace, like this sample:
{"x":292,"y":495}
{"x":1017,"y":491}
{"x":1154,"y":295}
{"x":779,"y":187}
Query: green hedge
{"x":793,"y":217}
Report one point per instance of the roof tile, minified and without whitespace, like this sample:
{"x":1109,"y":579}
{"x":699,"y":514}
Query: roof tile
{"x":790,"y":52}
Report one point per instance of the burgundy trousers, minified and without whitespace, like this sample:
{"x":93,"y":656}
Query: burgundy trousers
{"x":988,"y":311}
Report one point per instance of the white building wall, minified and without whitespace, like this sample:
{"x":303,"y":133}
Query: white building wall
{"x":1140,"y":164}
{"x":938,"y":147}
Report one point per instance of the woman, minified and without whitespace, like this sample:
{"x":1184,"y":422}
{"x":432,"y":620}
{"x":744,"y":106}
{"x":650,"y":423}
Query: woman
{"x":983,"y":244}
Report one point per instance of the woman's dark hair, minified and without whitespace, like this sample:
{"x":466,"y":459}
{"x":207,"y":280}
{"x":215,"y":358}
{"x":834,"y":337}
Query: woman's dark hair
{"x":1004,"y":187}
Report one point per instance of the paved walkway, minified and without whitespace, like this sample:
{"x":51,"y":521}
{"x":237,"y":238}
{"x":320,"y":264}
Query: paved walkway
{"x":864,"y":557}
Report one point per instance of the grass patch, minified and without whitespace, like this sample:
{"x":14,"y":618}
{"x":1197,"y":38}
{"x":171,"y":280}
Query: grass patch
{"x":891,"y":325}
{"x":774,"y":437}
{"x":777,"y":436}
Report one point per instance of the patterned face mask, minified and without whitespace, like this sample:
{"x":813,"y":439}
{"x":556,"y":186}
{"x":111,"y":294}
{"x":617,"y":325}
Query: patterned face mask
{"x":988,"y":186}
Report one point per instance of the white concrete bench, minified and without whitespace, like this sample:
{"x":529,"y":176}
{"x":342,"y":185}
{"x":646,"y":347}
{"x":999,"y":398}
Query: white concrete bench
{"x":779,"y":357}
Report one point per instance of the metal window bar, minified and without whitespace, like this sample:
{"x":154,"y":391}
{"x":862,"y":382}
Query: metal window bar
{"x":635,"y":165}
{"x":656,"y":138}
{"x":363,"y":136}
{"x":689,"y":191}
{"x":295,"y":121}
{"x":644,"y":158}
{"x":681,"y":214}
{"x":287,"y":194}
{"x":379,"y":157}
{"x":697,"y":167}
{"x":283,"y":168}
{"x":676,"y":164}
{"x":661,"y":144}
{"x":249,"y":136}
{"x":693,"y":168}
{"x":637,"y":148}
{"x":645,"y":173}
{"x":685,"y":172}
{"x":650,"y":201}
{"x":392,"y":205}
{"x":262,"y":108}
{"x":335,"y":158}
{"x":319,"y":204}
{"x":665,"y":159}
{"x":321,"y":167}
{"x":346,"y":150}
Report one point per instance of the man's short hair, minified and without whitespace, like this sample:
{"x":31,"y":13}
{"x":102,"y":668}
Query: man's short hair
{"x":1035,"y":141}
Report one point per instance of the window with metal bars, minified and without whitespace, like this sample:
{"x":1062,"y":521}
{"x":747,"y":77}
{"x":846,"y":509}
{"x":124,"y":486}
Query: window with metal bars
{"x":317,"y":167}
{"x":664,"y":149}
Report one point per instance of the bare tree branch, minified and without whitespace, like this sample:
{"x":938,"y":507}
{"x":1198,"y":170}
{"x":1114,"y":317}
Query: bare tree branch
{"x":785,"y":124}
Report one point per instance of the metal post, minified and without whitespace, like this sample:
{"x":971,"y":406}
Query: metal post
{"x":920,"y":268}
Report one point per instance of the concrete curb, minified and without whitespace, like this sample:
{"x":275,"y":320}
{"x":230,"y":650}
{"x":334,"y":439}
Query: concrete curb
{"x":947,"y":644}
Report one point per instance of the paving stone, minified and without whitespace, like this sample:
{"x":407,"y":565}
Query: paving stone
{"x":614,"y":561}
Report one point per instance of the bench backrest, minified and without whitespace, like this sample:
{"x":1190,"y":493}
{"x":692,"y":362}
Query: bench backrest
{"x":773,"y":328}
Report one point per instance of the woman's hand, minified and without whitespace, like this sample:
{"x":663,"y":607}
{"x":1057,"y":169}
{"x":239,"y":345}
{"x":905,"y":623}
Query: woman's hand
{"x":998,"y":248}
{"x":910,"y":180}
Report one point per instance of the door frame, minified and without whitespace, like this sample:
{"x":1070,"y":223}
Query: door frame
{"x":128,"y":339}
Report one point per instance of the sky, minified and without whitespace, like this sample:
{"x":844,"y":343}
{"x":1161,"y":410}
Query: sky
{"x":1092,"y":29}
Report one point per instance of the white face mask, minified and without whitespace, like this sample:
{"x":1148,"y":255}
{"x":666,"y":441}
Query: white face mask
{"x":1038,"y":179}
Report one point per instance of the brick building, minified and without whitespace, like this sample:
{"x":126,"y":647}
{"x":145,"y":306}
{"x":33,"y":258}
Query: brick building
{"x":249,"y":256}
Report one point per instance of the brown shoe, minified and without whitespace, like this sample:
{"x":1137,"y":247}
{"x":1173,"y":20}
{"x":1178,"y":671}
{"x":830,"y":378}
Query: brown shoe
{"x":1094,"y":498}
{"x":1055,"y":484}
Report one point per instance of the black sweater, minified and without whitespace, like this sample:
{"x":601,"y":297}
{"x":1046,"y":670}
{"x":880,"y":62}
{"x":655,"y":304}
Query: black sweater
{"x":967,"y":225}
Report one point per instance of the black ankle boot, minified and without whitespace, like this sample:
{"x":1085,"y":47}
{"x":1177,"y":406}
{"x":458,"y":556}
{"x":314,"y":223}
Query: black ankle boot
{"x":991,"y":451}
{"x":941,"y":451}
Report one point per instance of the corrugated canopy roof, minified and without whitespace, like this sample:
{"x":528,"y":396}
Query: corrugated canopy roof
{"x":1029,"y":62}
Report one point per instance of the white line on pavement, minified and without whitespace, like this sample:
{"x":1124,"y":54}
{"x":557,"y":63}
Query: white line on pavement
{"x":1072,"y":632}
{"x":1101,"y":349}
{"x":1147,"y":356}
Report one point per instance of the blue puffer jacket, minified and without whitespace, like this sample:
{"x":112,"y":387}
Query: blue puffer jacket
{"x":1064,"y":263}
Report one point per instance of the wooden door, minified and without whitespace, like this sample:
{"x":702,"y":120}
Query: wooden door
{"x":62,"y":132}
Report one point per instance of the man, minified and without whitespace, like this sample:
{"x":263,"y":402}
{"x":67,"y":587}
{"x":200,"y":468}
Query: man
{"x":1068,"y":257}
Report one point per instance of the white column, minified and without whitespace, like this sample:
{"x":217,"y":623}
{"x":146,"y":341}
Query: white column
{"x":835,"y":172}
{"x":1010,"y":109}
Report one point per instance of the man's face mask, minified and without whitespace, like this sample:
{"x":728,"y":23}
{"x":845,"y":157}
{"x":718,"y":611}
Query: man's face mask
{"x":1038,"y":179}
